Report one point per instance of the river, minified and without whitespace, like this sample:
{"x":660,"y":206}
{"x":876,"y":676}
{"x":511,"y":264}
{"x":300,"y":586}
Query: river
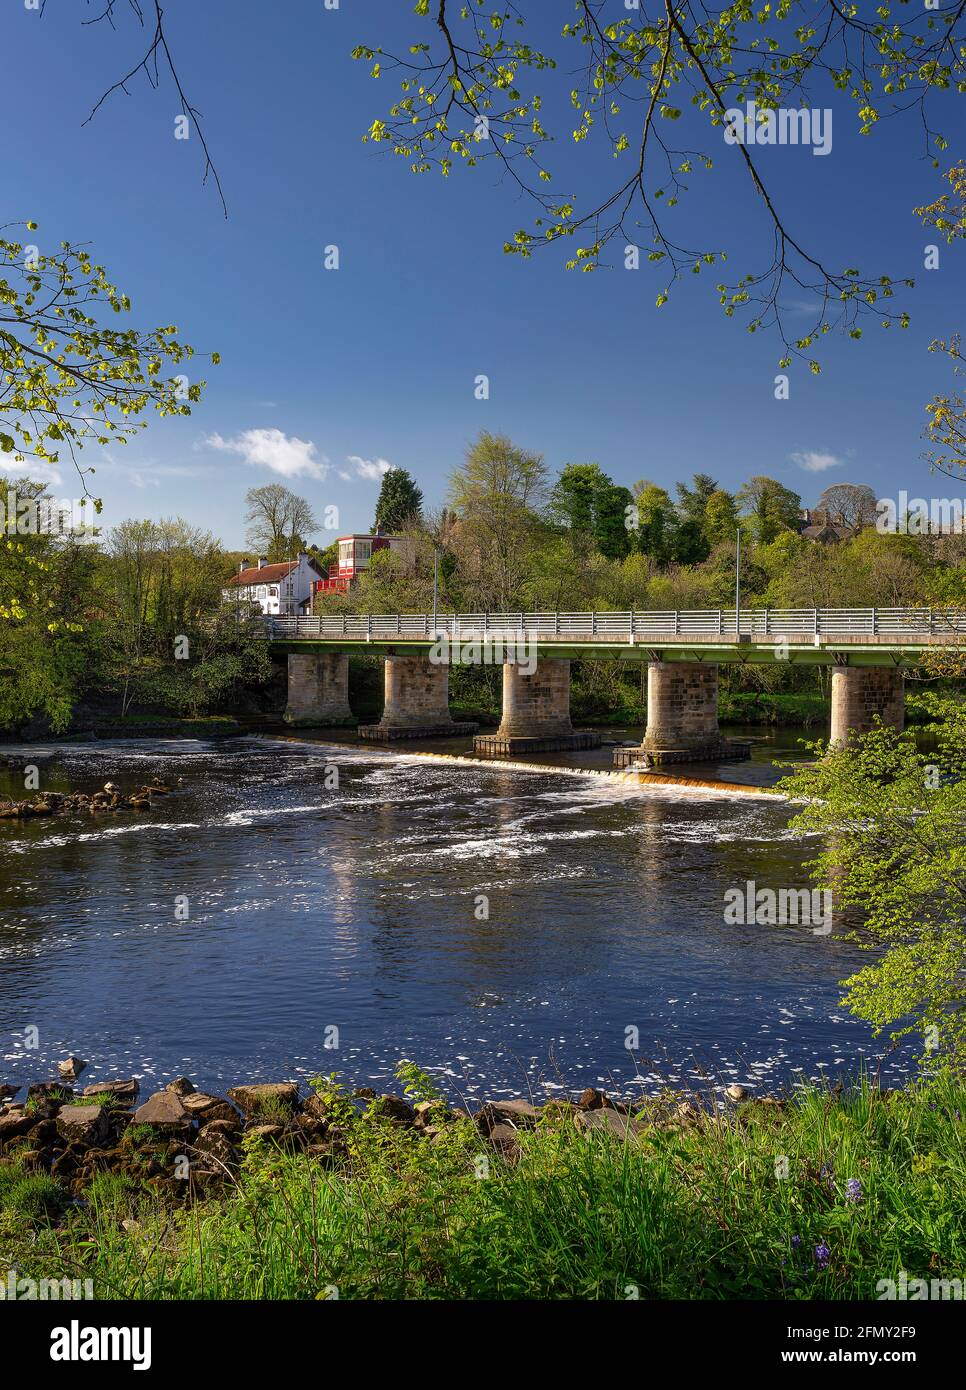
{"x":297,"y":906}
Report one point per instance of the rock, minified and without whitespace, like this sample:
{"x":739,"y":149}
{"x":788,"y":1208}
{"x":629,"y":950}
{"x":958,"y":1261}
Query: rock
{"x":592,"y":1099}
{"x":605,"y":1121}
{"x":7,"y":1092}
{"x":50,"y":1092}
{"x":214,"y":1145}
{"x":686,"y":1112}
{"x":163,"y":1110}
{"x":84,"y":1125}
{"x":267,"y":1131}
{"x":254,"y":1099}
{"x":12,"y":1126}
{"x":314,"y":1105}
{"x":505,"y":1139}
{"x":364,"y":1093}
{"x":518,"y":1114}
{"x":180,"y":1086}
{"x":122,"y":1092}
{"x":395,"y":1109}
{"x":71,"y":1068}
{"x":203,"y":1108}
{"x":736,"y":1094}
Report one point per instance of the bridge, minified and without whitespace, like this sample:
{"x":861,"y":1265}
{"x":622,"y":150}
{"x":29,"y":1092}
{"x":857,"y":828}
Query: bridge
{"x":867,"y":648}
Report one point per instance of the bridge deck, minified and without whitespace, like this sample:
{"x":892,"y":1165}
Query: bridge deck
{"x":856,"y":636}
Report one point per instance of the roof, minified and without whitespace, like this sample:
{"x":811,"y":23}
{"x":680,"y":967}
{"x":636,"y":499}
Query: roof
{"x":269,"y":574}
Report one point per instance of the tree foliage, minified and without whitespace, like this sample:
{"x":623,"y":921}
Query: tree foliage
{"x":892,"y":826}
{"x":68,"y":376}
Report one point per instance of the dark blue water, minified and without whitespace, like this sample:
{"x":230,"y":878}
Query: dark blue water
{"x":355,"y":908}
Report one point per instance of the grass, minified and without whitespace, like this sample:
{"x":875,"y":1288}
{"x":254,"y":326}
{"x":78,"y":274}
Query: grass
{"x":698,"y":1210}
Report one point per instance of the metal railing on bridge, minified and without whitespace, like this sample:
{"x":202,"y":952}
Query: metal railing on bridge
{"x":753,"y":623}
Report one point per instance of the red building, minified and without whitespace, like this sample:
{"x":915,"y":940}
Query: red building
{"x":355,"y":552}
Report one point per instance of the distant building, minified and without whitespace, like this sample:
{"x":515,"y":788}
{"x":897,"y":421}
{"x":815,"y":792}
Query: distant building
{"x":284,"y":589}
{"x":355,"y":553}
{"x":824,"y":527}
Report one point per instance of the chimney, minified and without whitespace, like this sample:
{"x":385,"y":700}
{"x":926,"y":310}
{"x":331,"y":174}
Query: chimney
{"x":242,"y":566}
{"x":262,"y":561}
{"x":303,"y":555}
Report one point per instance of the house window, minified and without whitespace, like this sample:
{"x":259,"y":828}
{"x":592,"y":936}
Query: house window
{"x":273,"y":591}
{"x":363,"y":553}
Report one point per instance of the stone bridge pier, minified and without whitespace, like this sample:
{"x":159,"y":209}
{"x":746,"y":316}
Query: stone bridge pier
{"x":416,"y":702}
{"x":318,"y":689}
{"x":682,"y":717}
{"x":859,"y":693}
{"x":536,"y":713}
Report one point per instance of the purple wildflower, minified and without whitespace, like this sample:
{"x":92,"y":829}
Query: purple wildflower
{"x":796,"y":1242}
{"x":822,"y":1255}
{"x":853,"y":1190}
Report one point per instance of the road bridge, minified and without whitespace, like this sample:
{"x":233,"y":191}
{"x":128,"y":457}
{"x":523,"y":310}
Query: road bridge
{"x":868,"y":650}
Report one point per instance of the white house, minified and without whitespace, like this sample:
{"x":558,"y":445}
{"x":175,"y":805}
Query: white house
{"x":285,"y":589}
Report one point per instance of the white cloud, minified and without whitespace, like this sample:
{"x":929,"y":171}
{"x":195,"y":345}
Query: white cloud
{"x":373,"y":469}
{"x":346,"y":477}
{"x":815,"y":462}
{"x":286,"y":455}
{"x":39,"y":472}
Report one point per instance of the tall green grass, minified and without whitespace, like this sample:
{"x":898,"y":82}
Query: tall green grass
{"x":694,"y":1211}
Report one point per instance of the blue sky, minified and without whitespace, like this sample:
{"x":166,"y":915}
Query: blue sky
{"x":333,"y":371}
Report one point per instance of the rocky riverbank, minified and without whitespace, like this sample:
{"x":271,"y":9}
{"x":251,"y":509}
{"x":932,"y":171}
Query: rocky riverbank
{"x":181,"y":1141}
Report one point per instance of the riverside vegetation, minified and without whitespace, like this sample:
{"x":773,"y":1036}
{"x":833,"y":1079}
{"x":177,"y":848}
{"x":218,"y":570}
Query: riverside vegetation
{"x":820,"y":1194}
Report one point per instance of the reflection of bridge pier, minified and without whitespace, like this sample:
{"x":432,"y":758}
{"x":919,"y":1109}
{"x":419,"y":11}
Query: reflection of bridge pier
{"x":867,"y":650}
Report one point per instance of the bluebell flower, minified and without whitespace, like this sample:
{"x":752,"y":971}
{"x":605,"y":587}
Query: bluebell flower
{"x":853,"y":1190}
{"x":822,"y":1255}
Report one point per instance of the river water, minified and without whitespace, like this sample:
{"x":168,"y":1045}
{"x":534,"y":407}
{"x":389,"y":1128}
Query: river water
{"x":296,"y":907}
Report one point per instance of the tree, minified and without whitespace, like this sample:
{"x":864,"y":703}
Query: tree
{"x":496,"y":495}
{"x":471,"y":93}
{"x":892,"y":848}
{"x":657,"y":522}
{"x":720,"y":518}
{"x":946,"y":429}
{"x":400,"y":501}
{"x":66,"y":378}
{"x":770,"y":506}
{"x":279,"y":522}
{"x":586,"y":501}
{"x":855,"y":503}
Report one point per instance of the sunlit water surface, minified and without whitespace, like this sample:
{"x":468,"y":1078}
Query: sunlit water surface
{"x":355,"y":914}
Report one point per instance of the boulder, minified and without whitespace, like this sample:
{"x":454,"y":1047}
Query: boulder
{"x":163,"y":1110}
{"x":267,"y":1131}
{"x":50,"y":1092}
{"x":203,"y":1108}
{"x":71,"y":1068}
{"x":736,"y":1094}
{"x":180,"y":1086}
{"x":121,"y":1092}
{"x":84,"y":1125}
{"x":505,"y":1139}
{"x":394,"y":1108}
{"x":14,"y":1124}
{"x":518,"y":1114}
{"x":215,"y":1147}
{"x":255,"y":1099}
{"x":605,"y":1121}
{"x":592,"y":1099}
{"x":7,"y":1092}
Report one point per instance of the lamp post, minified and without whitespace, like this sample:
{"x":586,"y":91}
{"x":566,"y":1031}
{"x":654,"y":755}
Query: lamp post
{"x":435,"y":582}
{"x":737,"y":581}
